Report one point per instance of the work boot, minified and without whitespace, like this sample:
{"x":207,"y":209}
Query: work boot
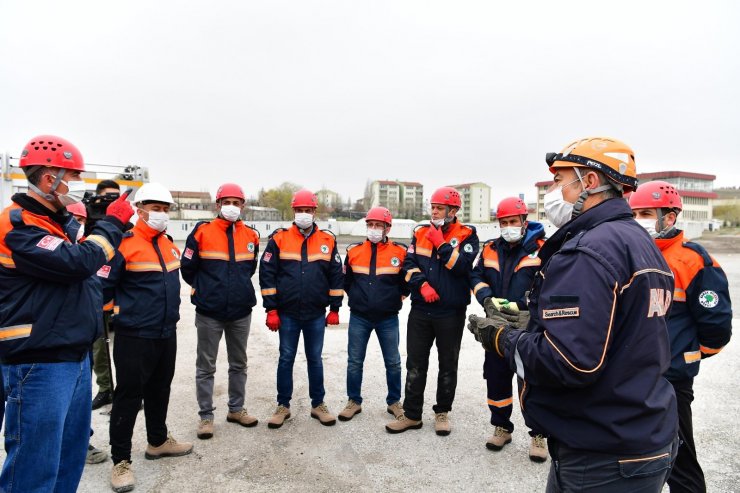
{"x":396,"y":409}
{"x":205,"y":429}
{"x":402,"y":423}
{"x":95,"y":455}
{"x":170,"y":448}
{"x":279,"y":416}
{"x":321,"y":412}
{"x":538,"y":449}
{"x":242,"y":417}
{"x":101,"y":399}
{"x":499,"y":438}
{"x":441,"y":424}
{"x":350,"y":410}
{"x":122,"y":477}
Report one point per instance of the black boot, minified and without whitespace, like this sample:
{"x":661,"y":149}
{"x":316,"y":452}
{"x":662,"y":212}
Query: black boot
{"x":101,"y":400}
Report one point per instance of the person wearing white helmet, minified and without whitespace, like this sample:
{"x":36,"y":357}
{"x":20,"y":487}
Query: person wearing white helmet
{"x":144,"y":280}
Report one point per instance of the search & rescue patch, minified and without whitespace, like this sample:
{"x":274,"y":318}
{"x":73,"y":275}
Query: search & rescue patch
{"x":571,"y":312}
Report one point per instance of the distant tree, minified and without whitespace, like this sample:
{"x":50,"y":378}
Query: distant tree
{"x":367,"y":199}
{"x":279,"y":198}
{"x":730,"y":214}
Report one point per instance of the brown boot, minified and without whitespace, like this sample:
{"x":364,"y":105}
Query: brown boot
{"x":205,"y":429}
{"x":122,"y":477}
{"x":499,"y":438}
{"x":538,"y":449}
{"x":170,"y":448}
{"x":242,"y":417}
{"x":396,"y":409}
{"x":350,"y":410}
{"x":441,"y":424}
{"x":401,"y":424}
{"x":278,"y":417}
{"x":321,"y":412}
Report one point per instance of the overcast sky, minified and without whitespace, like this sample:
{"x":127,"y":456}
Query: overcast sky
{"x":333,"y":93}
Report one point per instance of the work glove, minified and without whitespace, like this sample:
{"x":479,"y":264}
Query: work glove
{"x":434,"y":234}
{"x":332,"y":318}
{"x":273,"y":320}
{"x":487,"y":333}
{"x":505,"y":313}
{"x":429,"y":293}
{"x":120,"y":208}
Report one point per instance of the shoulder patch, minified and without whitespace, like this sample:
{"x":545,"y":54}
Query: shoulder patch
{"x":708,"y":299}
{"x":570,"y":312}
{"x":468,"y":248}
{"x":188,"y":254}
{"x":104,"y":271}
{"x":50,"y":242}
{"x":267,"y":257}
{"x":410,"y":249}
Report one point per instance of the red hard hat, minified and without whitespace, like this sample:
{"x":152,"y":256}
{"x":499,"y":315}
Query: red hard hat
{"x":304,"y":198}
{"x":446,"y":196}
{"x":656,"y":194}
{"x":78,"y":209}
{"x":48,"y":150}
{"x":230,"y":190}
{"x":379,"y":214}
{"x":511,"y":206}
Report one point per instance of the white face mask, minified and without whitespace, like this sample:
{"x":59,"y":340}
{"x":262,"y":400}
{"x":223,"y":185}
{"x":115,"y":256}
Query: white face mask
{"x":230,"y":212}
{"x":557,"y":209}
{"x":648,"y":225}
{"x":158,"y":220}
{"x":75,"y":192}
{"x":512,"y":234}
{"x":437,"y":222}
{"x":374,"y":235}
{"x":303,"y":220}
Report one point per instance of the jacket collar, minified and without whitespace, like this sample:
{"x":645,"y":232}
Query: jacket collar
{"x":146,"y":231}
{"x":33,"y":206}
{"x":666,"y":243}
{"x":223,"y":223}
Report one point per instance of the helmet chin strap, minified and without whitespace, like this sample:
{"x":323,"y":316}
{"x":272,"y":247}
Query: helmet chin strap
{"x":51,"y":197}
{"x":665,"y":231}
{"x":578,"y":206}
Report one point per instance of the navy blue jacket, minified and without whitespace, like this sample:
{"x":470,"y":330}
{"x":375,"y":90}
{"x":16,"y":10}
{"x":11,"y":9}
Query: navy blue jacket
{"x":50,"y":299}
{"x":219,"y":261}
{"x":596,"y":348}
{"x":505,"y":270}
{"x":373,"y":279}
{"x":700,"y":322}
{"x":300,"y":276}
{"x":446,"y":269}
{"x":142,"y":283}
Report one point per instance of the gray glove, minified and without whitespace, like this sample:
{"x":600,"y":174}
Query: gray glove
{"x":484,"y":331}
{"x":507,"y":313}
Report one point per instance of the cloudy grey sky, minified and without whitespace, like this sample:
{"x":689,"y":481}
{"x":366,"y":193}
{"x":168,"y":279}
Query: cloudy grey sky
{"x":332,"y":93}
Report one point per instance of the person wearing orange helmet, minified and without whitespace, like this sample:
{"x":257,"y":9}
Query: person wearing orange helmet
{"x":596,"y":346}
{"x":219,"y":261}
{"x":437,"y":265}
{"x":373,"y":281}
{"x":300,"y":275}
{"x":504,"y":272}
{"x":700,"y":320}
{"x":51,"y":314}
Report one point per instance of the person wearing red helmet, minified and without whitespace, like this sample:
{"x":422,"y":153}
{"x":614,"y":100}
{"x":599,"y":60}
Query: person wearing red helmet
{"x":504,"y":272}
{"x":593,"y":346}
{"x":51,"y":315}
{"x":373,"y":281}
{"x":437,"y":265}
{"x":700,"y":320}
{"x":300,"y":275}
{"x":219,"y":261}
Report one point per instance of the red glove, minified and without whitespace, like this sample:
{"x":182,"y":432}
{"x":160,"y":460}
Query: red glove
{"x":332,"y":318}
{"x":435,"y":235}
{"x":120,"y":208}
{"x":273,"y":320}
{"x":429,"y":293}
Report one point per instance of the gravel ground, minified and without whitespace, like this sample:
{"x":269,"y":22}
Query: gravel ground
{"x":359,"y":455}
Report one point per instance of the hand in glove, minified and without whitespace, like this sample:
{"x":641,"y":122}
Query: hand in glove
{"x":332,"y":318}
{"x":504,"y":313}
{"x":429,"y":293}
{"x":522,"y":316}
{"x":487,"y":333}
{"x":434,"y":234}
{"x":273,"y":320}
{"x":121,"y":208}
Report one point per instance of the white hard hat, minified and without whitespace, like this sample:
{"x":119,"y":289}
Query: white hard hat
{"x":153,"y":191}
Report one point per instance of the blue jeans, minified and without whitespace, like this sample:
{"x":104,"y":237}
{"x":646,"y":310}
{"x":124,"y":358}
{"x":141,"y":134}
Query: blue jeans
{"x":358,"y":336}
{"x":313,"y":343}
{"x":47,"y":426}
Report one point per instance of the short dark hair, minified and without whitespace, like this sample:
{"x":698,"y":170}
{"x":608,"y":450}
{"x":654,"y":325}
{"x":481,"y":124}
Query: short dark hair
{"x":107,"y":184}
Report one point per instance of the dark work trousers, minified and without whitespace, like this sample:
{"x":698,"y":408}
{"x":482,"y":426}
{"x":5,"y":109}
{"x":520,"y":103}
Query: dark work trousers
{"x":422,"y":331}
{"x":582,"y":471}
{"x":144,"y":370}
{"x":687,"y":474}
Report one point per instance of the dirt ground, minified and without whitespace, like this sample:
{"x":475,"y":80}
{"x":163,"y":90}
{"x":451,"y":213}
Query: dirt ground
{"x":359,"y":455}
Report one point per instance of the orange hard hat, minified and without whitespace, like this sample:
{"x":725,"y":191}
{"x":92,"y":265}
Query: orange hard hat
{"x":612,"y":157}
